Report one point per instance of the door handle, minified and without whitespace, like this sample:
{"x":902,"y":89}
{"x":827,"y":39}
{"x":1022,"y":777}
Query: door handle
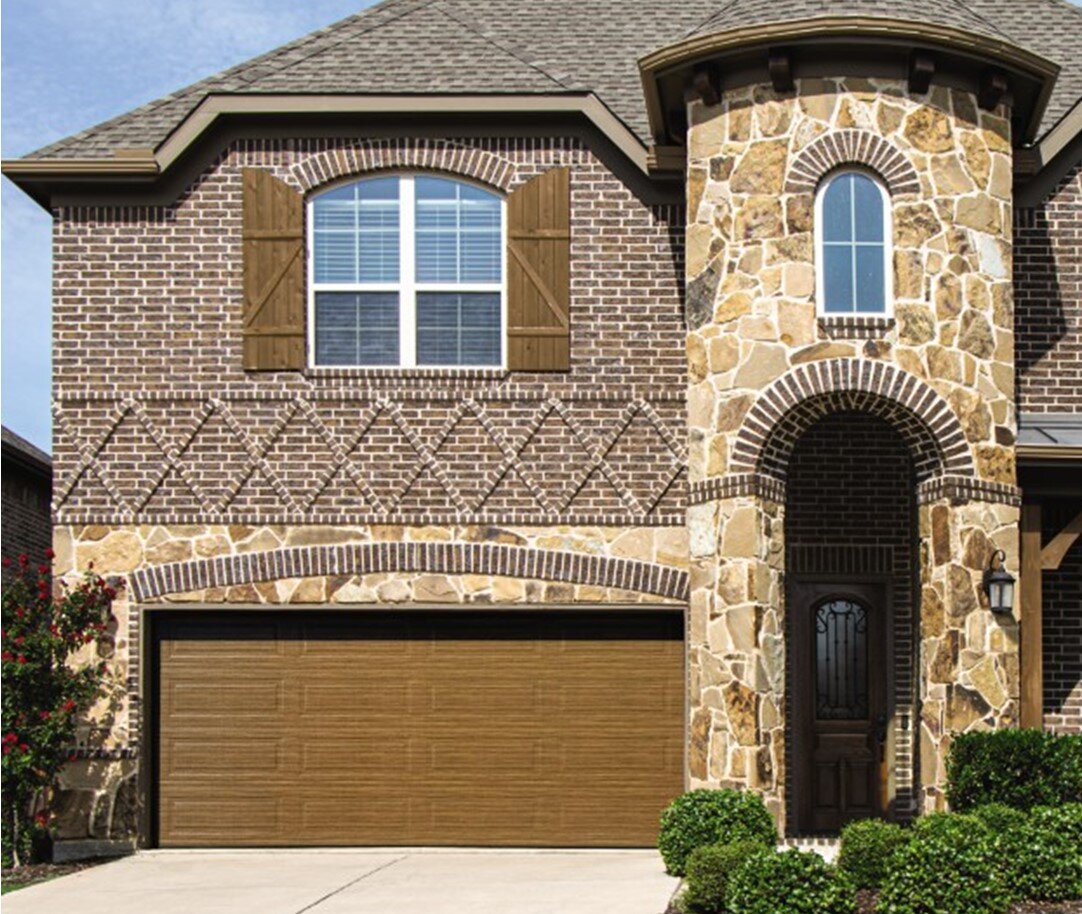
{"x":881,"y":729}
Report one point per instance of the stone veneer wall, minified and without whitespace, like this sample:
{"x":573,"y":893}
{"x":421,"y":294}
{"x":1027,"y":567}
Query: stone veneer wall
{"x":754,"y":162}
{"x":338,"y":566}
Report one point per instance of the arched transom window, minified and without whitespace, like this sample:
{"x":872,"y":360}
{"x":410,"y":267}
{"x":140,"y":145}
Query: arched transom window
{"x":406,"y":271}
{"x":853,"y":244}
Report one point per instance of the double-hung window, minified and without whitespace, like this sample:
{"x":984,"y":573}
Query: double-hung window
{"x":407,"y":271}
{"x":853,"y":245}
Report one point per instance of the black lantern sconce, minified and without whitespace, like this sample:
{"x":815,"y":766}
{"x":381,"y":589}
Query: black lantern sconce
{"x":999,"y":584}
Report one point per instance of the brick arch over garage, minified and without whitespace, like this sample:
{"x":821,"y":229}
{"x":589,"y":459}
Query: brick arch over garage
{"x":852,"y":147}
{"x":428,"y":155}
{"x":443,"y":558}
{"x":789,"y":406}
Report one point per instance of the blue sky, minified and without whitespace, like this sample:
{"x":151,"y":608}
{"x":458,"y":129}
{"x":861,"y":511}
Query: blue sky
{"x":68,"y":64}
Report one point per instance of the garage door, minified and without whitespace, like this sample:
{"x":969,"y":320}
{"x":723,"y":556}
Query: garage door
{"x":462,"y":728}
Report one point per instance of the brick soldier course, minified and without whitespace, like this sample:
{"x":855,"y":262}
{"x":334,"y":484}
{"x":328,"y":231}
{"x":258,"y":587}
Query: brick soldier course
{"x":712,"y":442}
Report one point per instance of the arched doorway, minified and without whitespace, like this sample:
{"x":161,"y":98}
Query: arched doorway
{"x":851,"y":572}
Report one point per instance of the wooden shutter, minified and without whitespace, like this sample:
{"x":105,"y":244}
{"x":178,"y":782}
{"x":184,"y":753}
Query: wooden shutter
{"x":274,"y":303}
{"x":539,"y":274}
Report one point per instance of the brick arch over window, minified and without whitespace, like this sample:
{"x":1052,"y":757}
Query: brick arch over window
{"x":789,"y":406}
{"x":443,"y":558}
{"x":851,"y":147}
{"x":428,"y":155}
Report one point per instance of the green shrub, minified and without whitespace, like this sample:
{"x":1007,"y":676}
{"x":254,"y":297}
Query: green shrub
{"x":1042,"y":855}
{"x":1000,"y":818}
{"x":703,"y":817}
{"x":950,"y":866}
{"x":1019,"y":768}
{"x":791,"y":882}
{"x":1067,"y":818}
{"x":950,"y":825}
{"x":867,"y":846}
{"x":709,"y":870}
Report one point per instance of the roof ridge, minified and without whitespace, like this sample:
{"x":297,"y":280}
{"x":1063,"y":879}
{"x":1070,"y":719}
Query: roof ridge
{"x":502,"y":44}
{"x":383,"y":7}
{"x":977,"y":15}
{"x":714,"y":15}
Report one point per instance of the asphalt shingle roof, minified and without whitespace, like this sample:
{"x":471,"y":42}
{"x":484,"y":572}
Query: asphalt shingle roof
{"x":515,"y":47}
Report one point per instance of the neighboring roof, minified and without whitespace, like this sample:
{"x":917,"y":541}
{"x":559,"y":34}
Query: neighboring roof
{"x":17,"y":447}
{"x":509,"y":47}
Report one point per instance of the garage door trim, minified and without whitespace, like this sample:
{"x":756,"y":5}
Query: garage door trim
{"x":149,"y":732}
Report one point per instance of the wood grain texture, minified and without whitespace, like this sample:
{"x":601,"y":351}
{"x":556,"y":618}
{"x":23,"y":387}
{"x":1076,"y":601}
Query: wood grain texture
{"x":274,"y":303}
{"x":548,"y":728}
{"x":539,"y":273}
{"x":1031,"y":610}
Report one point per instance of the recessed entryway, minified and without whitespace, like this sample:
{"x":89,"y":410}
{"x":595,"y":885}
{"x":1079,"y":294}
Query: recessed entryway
{"x":851,"y":559}
{"x":456,"y":727}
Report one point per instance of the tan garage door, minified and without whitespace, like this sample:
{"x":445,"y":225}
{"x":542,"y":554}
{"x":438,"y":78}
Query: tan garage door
{"x":464,"y":728}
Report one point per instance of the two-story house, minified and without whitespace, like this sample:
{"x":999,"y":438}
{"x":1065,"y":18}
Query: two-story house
{"x":506,"y":416}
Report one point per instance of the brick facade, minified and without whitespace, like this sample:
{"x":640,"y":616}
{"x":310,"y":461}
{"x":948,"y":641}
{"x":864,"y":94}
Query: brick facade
{"x":1048,"y":300}
{"x":27,"y":489}
{"x":180,"y":432}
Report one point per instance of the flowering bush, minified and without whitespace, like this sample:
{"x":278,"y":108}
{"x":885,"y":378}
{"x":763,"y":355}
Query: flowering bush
{"x":44,"y":691}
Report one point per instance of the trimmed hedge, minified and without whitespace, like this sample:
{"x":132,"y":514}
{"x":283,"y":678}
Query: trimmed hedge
{"x":709,"y":871}
{"x":951,"y":866}
{"x":791,"y":882}
{"x":1041,"y":855}
{"x":702,"y":817}
{"x":1000,"y":818}
{"x":1019,"y":768}
{"x":866,"y":849}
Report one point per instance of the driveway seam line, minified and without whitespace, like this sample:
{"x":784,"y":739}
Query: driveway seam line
{"x":342,"y":888}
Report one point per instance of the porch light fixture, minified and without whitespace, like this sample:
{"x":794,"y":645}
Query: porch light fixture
{"x":999,"y":584}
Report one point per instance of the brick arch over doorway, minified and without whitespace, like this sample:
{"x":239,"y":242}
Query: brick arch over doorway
{"x":802,"y":396}
{"x":445,"y":558}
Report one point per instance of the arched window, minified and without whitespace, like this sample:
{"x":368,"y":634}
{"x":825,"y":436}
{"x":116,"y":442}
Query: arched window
{"x":853,"y":232}
{"x":407,"y":271}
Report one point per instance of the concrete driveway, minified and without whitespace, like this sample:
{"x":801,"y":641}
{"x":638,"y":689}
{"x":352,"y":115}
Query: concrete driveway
{"x":370,"y":881}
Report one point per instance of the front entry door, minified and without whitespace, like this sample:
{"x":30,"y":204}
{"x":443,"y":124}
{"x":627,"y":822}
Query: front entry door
{"x":839,"y":704}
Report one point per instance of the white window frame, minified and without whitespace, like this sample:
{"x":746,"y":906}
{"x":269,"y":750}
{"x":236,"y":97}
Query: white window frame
{"x":821,"y":243}
{"x":407,"y":287}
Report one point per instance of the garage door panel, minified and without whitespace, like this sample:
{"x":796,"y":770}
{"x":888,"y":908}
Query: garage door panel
{"x":222,"y":753}
{"x":250,"y":819}
{"x":264,"y":695}
{"x":359,"y":699}
{"x":527,"y":728}
{"x":355,"y":757}
{"x":244,"y":639}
